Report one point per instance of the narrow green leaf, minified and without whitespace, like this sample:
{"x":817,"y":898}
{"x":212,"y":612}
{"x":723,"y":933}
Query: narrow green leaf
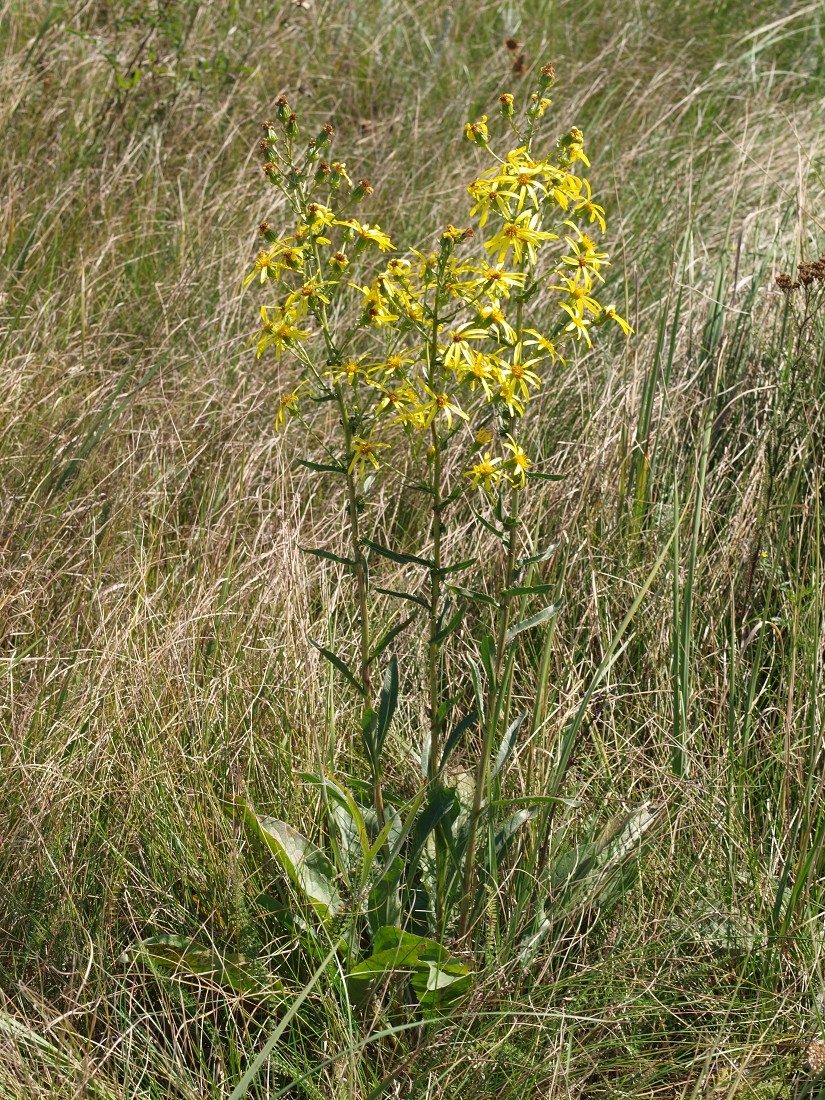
{"x":387,"y":704}
{"x":528,"y":590}
{"x":539,"y":475}
{"x":454,"y":623}
{"x":540,"y":617}
{"x":393,"y":555}
{"x":322,"y":467}
{"x":327,"y":555}
{"x":508,"y":743}
{"x":471,"y":594}
{"x":491,"y":527}
{"x":393,"y":632}
{"x":545,"y":555}
{"x":455,"y":737}
{"x":488,"y":657}
{"x":339,"y":664}
{"x":457,"y":568}
{"x":403,"y":596}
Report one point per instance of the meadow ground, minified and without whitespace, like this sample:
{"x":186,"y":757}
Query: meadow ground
{"x":155,"y":607}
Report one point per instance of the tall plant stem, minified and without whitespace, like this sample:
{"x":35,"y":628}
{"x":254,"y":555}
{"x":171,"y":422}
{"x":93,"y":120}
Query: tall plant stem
{"x":360,"y":567}
{"x":433,"y":679}
{"x":357,"y":551}
{"x":496,"y":690}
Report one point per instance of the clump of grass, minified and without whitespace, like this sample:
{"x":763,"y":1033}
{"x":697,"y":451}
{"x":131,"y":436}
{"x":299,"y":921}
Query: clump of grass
{"x":155,"y":605}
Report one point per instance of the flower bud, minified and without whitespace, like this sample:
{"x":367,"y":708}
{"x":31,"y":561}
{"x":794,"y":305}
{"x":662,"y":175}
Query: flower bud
{"x":322,"y":172}
{"x":325,"y":136}
{"x":361,"y":189}
{"x":283,"y":108}
{"x":291,"y":125}
{"x":271,"y":172}
{"x":293,"y":179}
{"x":506,"y":102}
{"x":265,"y":229}
{"x":338,"y":260}
{"x":547,"y":75}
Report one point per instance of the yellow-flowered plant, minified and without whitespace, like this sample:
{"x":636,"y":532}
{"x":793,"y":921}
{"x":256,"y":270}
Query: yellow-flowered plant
{"x":435,"y":350}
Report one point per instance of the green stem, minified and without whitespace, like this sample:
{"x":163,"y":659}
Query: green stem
{"x":495,"y":691}
{"x":352,"y":496}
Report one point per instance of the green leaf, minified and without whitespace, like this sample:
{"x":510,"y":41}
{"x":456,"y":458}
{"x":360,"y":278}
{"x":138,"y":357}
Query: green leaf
{"x":439,"y":986}
{"x":437,"y":980}
{"x":187,"y":956}
{"x":528,"y":590}
{"x":327,"y":554}
{"x":322,"y":467}
{"x":457,"y":568}
{"x":442,"y":804}
{"x":540,"y":617}
{"x":488,"y":658}
{"x":307,"y":866}
{"x":339,"y":664}
{"x":393,"y":555}
{"x":455,"y":737}
{"x":403,"y":596}
{"x":385,"y":897}
{"x":393,"y":632}
{"x":387,"y":704}
{"x":545,"y":555}
{"x":491,"y":527}
{"x":508,"y":742}
{"x":454,"y":623}
{"x":471,"y":594}
{"x":539,"y":475}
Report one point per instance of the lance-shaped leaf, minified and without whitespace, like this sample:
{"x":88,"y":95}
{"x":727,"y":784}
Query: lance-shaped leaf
{"x":543,"y":616}
{"x":308,"y":867}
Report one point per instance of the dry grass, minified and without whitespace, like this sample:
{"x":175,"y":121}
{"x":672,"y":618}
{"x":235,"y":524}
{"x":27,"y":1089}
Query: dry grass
{"x":154,"y":604}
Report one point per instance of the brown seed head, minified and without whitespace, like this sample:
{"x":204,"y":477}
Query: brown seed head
{"x":511,"y":44}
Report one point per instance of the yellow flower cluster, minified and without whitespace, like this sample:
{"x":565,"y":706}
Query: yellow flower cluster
{"x":434,"y":343}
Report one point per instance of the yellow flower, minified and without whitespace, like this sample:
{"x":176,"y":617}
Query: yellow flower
{"x":580,"y":293}
{"x":368,"y":233}
{"x":520,"y":178}
{"x":477,"y":131}
{"x":517,"y":375}
{"x":440,"y":403}
{"x":487,"y":195}
{"x":279,"y":331}
{"x":585,"y":257}
{"x":309,"y":294}
{"x":521,"y":234}
{"x":483,"y":435}
{"x":576,"y":324}
{"x":485,"y":472}
{"x":521,"y":463}
{"x":363,"y":451}
{"x":288,"y":403}
{"x":402,"y":400}
{"x":319,"y":215}
{"x":587,"y":206}
{"x":375,"y":306}
{"x":482,"y":371}
{"x":494,"y":317}
{"x":499,"y":281}
{"x":610,"y":314}
{"x":458,"y":345}
{"x":349,"y":370}
{"x":266,"y":267}
{"x":541,"y":343}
